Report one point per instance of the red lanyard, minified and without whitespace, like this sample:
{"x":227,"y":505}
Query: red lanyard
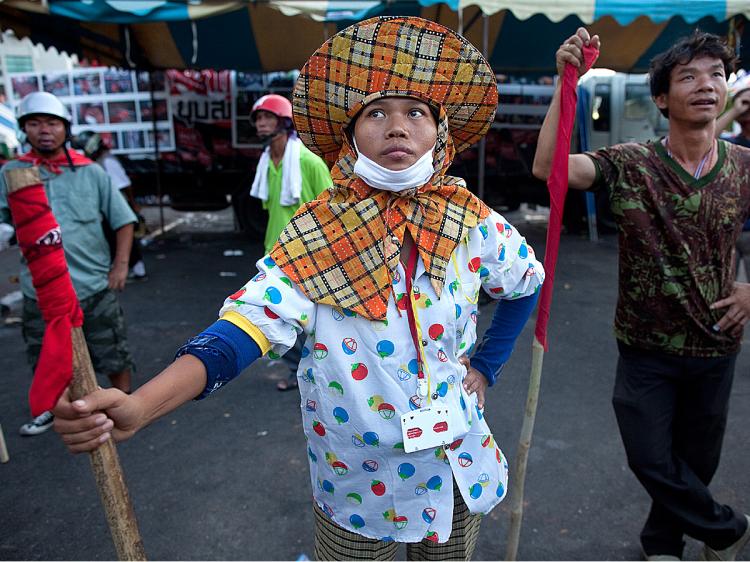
{"x":410,"y":267}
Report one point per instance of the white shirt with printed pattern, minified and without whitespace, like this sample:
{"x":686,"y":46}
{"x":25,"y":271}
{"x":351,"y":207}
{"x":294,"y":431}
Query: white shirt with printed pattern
{"x":357,"y":377}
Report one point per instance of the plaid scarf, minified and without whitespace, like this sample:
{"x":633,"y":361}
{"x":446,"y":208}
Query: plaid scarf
{"x":343,"y":249}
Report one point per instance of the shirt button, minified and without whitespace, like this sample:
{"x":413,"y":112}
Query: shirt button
{"x":435,"y":396}
{"x":424,"y":343}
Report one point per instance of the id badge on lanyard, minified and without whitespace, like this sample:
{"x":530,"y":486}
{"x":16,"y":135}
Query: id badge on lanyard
{"x":425,"y":428}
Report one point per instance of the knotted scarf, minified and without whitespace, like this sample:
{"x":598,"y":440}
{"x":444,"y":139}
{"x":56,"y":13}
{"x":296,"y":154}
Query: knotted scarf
{"x":53,"y":164}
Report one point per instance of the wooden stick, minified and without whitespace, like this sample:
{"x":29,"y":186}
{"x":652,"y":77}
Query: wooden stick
{"x":106,"y":464}
{"x":524,"y":444}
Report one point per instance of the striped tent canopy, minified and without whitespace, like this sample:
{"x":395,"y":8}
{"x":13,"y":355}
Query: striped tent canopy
{"x":270,"y":35}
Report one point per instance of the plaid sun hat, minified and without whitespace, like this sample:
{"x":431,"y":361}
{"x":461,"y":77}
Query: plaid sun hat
{"x":406,"y":56}
{"x":343,"y":249}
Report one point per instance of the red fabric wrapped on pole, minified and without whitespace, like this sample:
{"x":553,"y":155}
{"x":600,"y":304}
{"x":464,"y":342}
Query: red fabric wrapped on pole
{"x":558,"y":188}
{"x":40,"y":241}
{"x":557,"y":183}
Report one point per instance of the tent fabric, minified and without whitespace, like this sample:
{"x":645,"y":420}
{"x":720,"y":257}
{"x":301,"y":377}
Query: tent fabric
{"x":138,"y":11}
{"x":261,"y":36}
{"x":130,"y":11}
{"x":627,"y":49}
{"x":622,"y":11}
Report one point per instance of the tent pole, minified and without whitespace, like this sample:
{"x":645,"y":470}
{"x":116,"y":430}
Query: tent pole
{"x":483,"y":142}
{"x":157,"y":160}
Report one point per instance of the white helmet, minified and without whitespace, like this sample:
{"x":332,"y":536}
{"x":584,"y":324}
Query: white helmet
{"x":42,"y":103}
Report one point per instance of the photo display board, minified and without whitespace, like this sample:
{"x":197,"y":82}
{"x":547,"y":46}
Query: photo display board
{"x":117,"y":103}
{"x":113,"y":102}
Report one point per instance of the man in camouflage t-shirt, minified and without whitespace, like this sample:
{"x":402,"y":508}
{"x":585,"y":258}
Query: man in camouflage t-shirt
{"x":679,"y":203}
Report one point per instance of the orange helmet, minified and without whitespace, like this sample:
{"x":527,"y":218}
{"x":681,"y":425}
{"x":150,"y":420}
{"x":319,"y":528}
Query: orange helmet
{"x":273,"y":103}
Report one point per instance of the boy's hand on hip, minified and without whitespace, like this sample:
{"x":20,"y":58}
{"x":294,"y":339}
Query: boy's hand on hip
{"x":474,"y":381}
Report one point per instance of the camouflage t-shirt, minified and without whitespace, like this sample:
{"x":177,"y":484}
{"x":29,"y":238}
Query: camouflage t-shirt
{"x":676,"y":238}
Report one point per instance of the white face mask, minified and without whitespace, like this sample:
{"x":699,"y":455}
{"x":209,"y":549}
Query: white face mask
{"x":375,"y":175}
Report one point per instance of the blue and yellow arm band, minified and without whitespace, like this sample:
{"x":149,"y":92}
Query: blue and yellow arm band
{"x":225,"y":349}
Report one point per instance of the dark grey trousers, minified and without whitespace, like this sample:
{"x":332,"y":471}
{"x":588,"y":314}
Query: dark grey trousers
{"x":672,"y":412}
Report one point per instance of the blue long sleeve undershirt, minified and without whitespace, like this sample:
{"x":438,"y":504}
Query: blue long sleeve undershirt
{"x":497,"y":344}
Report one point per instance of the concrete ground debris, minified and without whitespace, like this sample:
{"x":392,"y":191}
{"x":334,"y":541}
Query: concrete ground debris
{"x":227,"y":479}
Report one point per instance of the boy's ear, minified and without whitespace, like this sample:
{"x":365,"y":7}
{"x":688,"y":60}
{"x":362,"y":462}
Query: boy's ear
{"x":661,"y":101}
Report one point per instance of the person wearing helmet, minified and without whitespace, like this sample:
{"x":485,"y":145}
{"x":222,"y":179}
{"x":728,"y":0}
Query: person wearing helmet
{"x":79,"y":194}
{"x":739,"y":111}
{"x":382,"y":275}
{"x":94,"y":146}
{"x":287,"y":176}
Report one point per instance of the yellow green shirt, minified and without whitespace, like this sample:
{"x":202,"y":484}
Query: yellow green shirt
{"x":315,"y":179}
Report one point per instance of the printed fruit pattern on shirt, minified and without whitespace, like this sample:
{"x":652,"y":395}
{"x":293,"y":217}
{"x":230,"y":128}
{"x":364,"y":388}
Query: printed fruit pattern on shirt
{"x":357,"y":377}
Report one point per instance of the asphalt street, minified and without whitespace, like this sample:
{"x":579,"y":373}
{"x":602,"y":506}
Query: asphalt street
{"x":227,"y":478}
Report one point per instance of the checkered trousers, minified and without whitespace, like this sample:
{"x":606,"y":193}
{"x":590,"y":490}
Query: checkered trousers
{"x":334,"y":543}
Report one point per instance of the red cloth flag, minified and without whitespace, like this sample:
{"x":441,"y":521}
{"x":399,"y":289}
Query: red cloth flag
{"x":40,"y":241}
{"x":557,"y":183}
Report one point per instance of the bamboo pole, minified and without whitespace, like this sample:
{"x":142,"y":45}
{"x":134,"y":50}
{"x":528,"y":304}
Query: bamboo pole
{"x":105,"y":464}
{"x":522,"y":456}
